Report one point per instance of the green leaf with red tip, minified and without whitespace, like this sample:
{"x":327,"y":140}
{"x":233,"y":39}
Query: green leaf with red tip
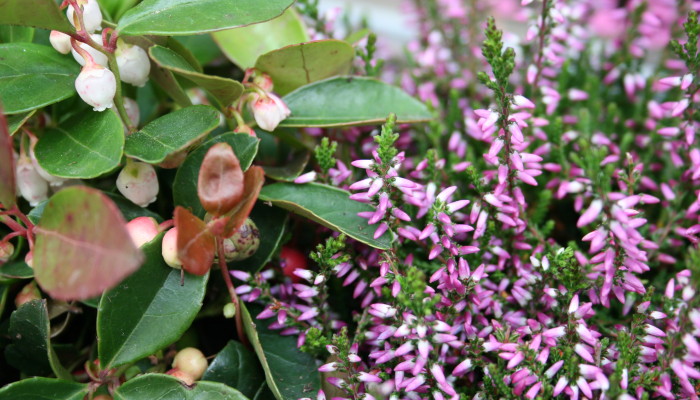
{"x":82,"y":246}
{"x":37,"y":13}
{"x":220,"y":182}
{"x":297,"y":65}
{"x":7,"y":165}
{"x":195,"y":244}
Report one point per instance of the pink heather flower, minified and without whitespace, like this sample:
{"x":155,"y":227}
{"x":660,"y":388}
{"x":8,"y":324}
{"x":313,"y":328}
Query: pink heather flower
{"x":268,"y":111}
{"x":591,"y":213}
{"x":306,"y":178}
{"x":382,"y":310}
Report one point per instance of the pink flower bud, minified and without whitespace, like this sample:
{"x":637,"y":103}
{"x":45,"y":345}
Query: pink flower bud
{"x":138,"y":182}
{"x":269,"y":111}
{"x":97,"y":86}
{"x":133,"y":62}
{"x":92,"y":16}
{"x":60,"y":41}
{"x":169,"y":249}
{"x":6,"y":250}
{"x":30,"y":184}
{"x":142,"y":230}
{"x":97,"y":56}
{"x":264,"y":81}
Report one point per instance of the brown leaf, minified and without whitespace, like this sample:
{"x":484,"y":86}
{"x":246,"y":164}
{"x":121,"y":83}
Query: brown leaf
{"x":220,"y":185}
{"x":195,"y":244}
{"x":7,"y":165}
{"x":254,"y":178}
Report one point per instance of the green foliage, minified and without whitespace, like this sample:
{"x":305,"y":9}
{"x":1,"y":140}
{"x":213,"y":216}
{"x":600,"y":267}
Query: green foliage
{"x":385,"y":141}
{"x":325,"y":154}
{"x":688,"y":52}
{"x":502,"y":62}
{"x":373,"y":67}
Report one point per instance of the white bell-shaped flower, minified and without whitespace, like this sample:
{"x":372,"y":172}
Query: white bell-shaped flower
{"x":133,"y":62}
{"x":269,"y":111}
{"x":97,"y":56}
{"x":138,"y":182}
{"x":97,"y":86}
{"x":30,"y":184}
{"x":60,"y":41}
{"x":92,"y":16}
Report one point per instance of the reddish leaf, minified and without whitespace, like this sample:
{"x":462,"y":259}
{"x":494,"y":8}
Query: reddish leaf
{"x":82,"y":246}
{"x":7,"y":165}
{"x":220,"y":185}
{"x":195,"y":244}
{"x":253,"y":181}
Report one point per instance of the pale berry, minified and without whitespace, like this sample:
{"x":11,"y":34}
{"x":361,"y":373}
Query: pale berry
{"x":244,"y":243}
{"x":191,"y":361}
{"x":138,"y":182}
{"x":92,"y":16}
{"x":134,"y":64}
{"x":142,"y":230}
{"x":169,"y":249}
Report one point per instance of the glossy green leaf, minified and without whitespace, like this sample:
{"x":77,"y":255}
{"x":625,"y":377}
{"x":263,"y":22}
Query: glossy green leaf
{"x":346,"y":101}
{"x":237,"y":367}
{"x":187,"y":17}
{"x":166,"y":387}
{"x":85,"y":146}
{"x":202,"y":47}
{"x":8,"y":190}
{"x":243,"y":46}
{"x":271,"y":223}
{"x":290,"y":373}
{"x":292,"y":169}
{"x":171,"y":133}
{"x":14,"y":122}
{"x":300,"y":64}
{"x":116,"y":8}
{"x":14,"y":34}
{"x":31,"y":350}
{"x":225,"y":90}
{"x":44,"y":389}
{"x":327,"y":205}
{"x":147,"y":311}
{"x":82,"y":246}
{"x":38,"y":13}
{"x":187,"y":177}
{"x":33,"y":76}
{"x":16,"y":270}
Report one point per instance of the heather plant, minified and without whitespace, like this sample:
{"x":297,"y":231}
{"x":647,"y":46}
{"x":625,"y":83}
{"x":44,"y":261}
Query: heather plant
{"x":229,"y":200}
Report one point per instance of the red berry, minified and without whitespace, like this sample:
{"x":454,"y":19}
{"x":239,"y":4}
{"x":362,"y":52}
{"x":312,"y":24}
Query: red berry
{"x":291,"y":259}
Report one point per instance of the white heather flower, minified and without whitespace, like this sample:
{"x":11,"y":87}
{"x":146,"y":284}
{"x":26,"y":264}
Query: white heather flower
{"x":133,"y":62}
{"x":60,"y":41}
{"x":97,"y":56}
{"x":92,"y":16}
{"x":97,"y":86}
{"x":269,"y":111}
{"x":138,"y":182}
{"x":30,"y":184}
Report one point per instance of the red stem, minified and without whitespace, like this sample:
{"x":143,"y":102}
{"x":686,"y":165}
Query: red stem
{"x":231,"y":291}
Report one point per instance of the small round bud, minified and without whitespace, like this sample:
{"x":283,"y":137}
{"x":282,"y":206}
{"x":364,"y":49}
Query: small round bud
{"x":169,"y":249}
{"x":97,"y":86}
{"x":31,"y":185}
{"x":138,"y":182}
{"x":244,"y":243}
{"x":184,"y":377}
{"x":142,"y":230}
{"x":191,"y":361}
{"x":133,"y":62}
{"x":132,"y":111}
{"x":28,"y":293}
{"x":229,"y":310}
{"x":97,"y":56}
{"x":264,"y":81}
{"x":6,"y":251}
{"x":92,"y":16}
{"x":60,"y":41}
{"x":269,"y":111}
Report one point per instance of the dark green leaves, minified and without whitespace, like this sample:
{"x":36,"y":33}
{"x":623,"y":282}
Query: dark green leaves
{"x":87,"y":145}
{"x":31,"y":350}
{"x":184,"y":17}
{"x":236,"y":367}
{"x":185,"y":185}
{"x":82,"y":246}
{"x":171,"y":133}
{"x":43,"y":389}
{"x":38,"y":13}
{"x":165,"y":387}
{"x":33,"y":76}
{"x":223,"y":89}
{"x":300,"y":64}
{"x":345,"y":101}
{"x":327,"y":205}
{"x":148,"y":311}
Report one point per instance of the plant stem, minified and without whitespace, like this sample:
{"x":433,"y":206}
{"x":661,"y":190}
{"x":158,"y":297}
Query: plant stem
{"x":231,"y":291}
{"x":118,"y":99}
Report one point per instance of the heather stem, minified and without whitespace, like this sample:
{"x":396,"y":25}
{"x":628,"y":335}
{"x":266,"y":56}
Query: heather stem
{"x":540,"y":50}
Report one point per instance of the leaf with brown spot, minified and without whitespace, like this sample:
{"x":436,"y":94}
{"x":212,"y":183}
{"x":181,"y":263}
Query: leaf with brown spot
{"x":7,"y":165}
{"x":82,"y":246}
{"x":195,"y":244}
{"x":254,"y":178}
{"x":220,"y":184}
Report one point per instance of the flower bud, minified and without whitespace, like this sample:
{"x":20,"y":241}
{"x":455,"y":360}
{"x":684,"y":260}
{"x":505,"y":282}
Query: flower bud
{"x":132,"y":111}
{"x":28,"y":293}
{"x":244,"y":243}
{"x":229,"y":310}
{"x":31,"y":185}
{"x":142,"y":230}
{"x":269,"y":111}
{"x":263,"y":81}
{"x":245,"y":129}
{"x":138,"y":182}
{"x":6,"y":250}
{"x":191,"y":361}
{"x":97,"y":56}
{"x":92,"y":16}
{"x":133,"y":62}
{"x":60,"y":41}
{"x":97,"y":86}
{"x":169,"y":249}
{"x":184,"y":377}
